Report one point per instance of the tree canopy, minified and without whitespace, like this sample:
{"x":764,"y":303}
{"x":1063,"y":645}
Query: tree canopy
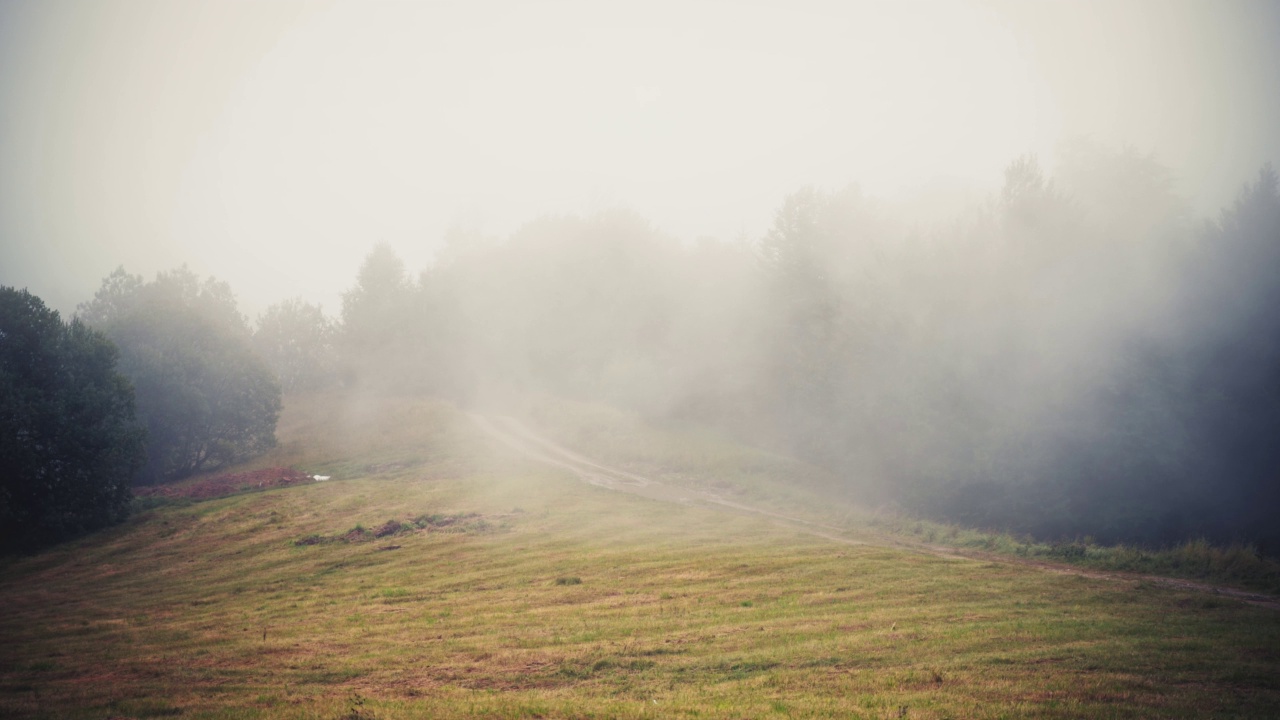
{"x":297,"y":341}
{"x":69,"y":445}
{"x":205,"y":397}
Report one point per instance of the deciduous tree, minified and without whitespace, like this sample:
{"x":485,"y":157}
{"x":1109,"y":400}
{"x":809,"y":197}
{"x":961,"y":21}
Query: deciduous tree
{"x":69,"y":445}
{"x":205,"y":397}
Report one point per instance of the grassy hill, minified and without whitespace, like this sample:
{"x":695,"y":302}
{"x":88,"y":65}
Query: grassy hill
{"x":441,"y":573}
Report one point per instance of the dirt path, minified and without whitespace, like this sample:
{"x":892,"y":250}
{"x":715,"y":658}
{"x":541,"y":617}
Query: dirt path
{"x":516,"y":435}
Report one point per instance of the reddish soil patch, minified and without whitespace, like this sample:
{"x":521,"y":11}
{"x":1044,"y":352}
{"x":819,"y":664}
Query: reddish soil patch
{"x":224,"y":485}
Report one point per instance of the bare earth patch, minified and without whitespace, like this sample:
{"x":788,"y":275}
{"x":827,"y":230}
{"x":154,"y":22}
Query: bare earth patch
{"x":229,"y":484}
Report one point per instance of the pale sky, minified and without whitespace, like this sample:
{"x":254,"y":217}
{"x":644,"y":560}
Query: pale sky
{"x":272,"y":144}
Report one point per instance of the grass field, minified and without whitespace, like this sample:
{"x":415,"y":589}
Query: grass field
{"x":509,"y":588}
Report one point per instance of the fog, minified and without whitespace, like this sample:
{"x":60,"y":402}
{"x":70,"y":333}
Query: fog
{"x":1002,"y":263}
{"x":271,"y":144}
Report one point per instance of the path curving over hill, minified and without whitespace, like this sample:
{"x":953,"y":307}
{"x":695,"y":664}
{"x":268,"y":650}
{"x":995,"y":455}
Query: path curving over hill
{"x":517,"y":436}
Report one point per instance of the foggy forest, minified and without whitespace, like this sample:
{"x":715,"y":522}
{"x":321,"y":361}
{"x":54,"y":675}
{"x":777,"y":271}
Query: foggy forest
{"x":1004,"y":268}
{"x":1078,"y":356}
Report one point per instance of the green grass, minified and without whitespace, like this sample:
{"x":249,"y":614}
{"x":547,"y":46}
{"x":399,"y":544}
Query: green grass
{"x":1237,"y":565}
{"x":696,"y":457}
{"x":701,"y":458}
{"x":519,"y":591}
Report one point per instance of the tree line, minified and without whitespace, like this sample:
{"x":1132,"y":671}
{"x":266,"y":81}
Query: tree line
{"x":1075,"y":355}
{"x":151,"y":382}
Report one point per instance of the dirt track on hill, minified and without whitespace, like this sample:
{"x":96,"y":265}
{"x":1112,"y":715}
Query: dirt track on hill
{"x":517,"y":436}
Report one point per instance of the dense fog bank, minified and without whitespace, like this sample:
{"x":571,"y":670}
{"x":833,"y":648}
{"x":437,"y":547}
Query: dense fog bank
{"x":1075,"y":355}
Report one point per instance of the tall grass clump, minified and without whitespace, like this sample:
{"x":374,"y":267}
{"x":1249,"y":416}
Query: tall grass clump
{"x":1239,"y":564}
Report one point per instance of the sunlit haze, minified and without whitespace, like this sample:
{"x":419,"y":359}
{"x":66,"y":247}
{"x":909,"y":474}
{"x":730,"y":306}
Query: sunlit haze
{"x":272,"y":144}
{"x":580,"y":358}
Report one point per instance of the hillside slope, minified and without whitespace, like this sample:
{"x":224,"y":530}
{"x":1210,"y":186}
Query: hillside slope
{"x":443,"y":573}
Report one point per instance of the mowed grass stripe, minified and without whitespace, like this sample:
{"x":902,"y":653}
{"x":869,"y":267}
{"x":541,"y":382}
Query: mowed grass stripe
{"x":680,"y":612}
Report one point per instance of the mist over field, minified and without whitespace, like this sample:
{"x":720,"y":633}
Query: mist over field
{"x":380,"y":360}
{"x":1005,"y":264}
{"x":1060,"y":363}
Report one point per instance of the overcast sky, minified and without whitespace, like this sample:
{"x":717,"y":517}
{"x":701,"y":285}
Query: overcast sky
{"x":272,"y":144}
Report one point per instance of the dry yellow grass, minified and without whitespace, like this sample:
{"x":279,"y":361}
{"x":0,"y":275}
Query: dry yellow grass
{"x":211,"y":610}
